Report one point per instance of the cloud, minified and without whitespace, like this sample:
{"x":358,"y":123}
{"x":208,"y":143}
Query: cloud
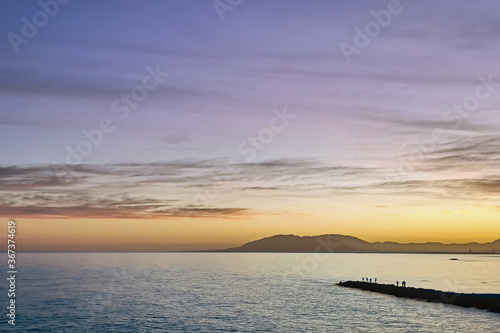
{"x":262,"y":188}
{"x":455,"y":152}
{"x":138,"y":212}
{"x":204,"y":212}
{"x":85,"y":205}
{"x":24,"y":178}
{"x":121,"y":190}
{"x":10,"y":121}
{"x":169,"y":189}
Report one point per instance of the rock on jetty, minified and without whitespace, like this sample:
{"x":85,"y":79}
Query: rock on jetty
{"x":481,"y":301}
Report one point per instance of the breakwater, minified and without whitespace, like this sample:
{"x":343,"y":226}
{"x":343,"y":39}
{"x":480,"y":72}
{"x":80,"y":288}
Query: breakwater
{"x":481,"y":301}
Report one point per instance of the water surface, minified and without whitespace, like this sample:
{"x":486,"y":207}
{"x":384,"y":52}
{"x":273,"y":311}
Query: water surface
{"x":244,"y":292}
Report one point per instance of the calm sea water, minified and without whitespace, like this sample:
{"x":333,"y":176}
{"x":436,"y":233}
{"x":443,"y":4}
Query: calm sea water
{"x":243,"y":292}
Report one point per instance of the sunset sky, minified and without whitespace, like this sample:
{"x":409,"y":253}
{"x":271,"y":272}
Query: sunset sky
{"x":180,"y":125}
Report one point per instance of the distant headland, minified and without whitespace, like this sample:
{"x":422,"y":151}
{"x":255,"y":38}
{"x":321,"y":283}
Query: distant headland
{"x":349,"y":244}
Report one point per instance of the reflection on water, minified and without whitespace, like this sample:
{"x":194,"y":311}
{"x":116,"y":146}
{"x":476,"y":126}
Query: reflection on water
{"x":245,"y":292}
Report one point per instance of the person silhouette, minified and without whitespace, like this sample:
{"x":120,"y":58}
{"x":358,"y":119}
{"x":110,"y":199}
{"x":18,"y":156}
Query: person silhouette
{"x":403,"y":283}
{"x":397,"y":283}
{"x":370,"y":280}
{"x":375,"y":280}
{"x":363,"y":279}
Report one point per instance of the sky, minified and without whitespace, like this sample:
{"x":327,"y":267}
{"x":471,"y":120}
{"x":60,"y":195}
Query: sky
{"x":183,"y":125}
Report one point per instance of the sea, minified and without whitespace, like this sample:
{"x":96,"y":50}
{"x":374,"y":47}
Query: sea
{"x":242,"y":292}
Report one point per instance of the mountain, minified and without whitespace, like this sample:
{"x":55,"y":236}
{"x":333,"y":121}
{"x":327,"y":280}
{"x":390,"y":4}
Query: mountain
{"x":345,"y":244}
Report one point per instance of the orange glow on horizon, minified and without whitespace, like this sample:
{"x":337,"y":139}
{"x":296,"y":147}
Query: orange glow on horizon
{"x":200,"y":234}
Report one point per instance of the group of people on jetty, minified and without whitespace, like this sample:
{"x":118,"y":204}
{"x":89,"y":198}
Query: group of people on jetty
{"x":365,"y":279}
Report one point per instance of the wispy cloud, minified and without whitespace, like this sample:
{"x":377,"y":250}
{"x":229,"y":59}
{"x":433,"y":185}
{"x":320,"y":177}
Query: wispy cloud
{"x":99,"y":205}
{"x":165,"y":190}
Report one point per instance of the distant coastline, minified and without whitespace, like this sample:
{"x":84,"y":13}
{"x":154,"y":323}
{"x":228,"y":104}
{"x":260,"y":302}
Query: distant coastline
{"x":348,"y":244}
{"x":329,"y":243}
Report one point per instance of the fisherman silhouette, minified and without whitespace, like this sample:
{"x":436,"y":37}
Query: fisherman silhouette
{"x":370,"y":280}
{"x":403,"y":283}
{"x":397,"y":283}
{"x":363,"y":279}
{"x":375,"y":280}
